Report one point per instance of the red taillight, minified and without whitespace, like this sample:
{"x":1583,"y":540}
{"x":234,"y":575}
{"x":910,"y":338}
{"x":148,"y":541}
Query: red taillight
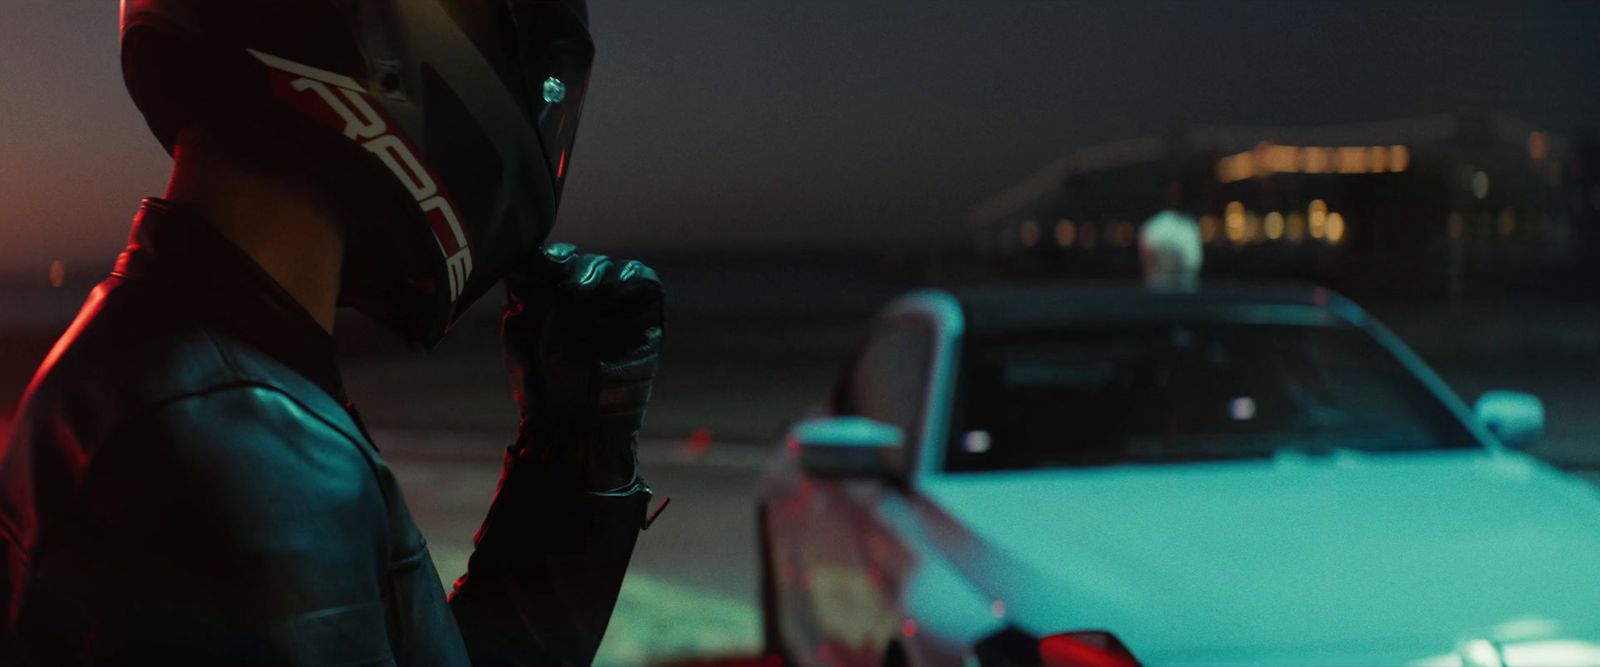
{"x":1084,"y":649}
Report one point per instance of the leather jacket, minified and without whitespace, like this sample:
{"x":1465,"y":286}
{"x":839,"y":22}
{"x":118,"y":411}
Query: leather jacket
{"x":186,"y":484}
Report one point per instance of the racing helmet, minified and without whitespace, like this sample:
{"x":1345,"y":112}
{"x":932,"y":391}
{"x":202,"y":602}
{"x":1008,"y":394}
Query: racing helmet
{"x":441,"y":130}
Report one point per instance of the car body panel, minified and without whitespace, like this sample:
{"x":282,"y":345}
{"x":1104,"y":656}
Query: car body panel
{"x":1415,"y":552}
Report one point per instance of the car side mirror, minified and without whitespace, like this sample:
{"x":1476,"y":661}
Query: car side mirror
{"x":1516,"y":418}
{"x":846,"y":446}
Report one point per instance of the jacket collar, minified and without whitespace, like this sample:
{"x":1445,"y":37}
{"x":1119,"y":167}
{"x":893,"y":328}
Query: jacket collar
{"x":172,"y":247}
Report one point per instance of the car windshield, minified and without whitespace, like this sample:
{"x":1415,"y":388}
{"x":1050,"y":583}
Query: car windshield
{"x":1183,"y":392}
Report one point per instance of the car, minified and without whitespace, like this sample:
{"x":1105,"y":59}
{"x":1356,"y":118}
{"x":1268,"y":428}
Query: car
{"x":1108,"y":475}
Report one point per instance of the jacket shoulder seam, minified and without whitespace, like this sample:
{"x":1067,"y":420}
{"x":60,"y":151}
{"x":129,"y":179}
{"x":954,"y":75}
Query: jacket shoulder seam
{"x":150,"y":411}
{"x":226,"y":355}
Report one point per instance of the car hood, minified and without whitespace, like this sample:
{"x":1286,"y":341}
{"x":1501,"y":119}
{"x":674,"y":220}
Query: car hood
{"x":1387,"y":557}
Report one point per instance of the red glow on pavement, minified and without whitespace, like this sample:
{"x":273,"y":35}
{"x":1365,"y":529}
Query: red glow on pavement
{"x":698,"y":442}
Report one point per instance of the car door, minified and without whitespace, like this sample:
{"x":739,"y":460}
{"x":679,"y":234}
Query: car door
{"x":845,"y":586}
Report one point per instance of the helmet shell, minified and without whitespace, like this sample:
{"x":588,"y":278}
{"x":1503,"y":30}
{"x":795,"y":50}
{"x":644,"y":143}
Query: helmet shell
{"x":440,"y":129}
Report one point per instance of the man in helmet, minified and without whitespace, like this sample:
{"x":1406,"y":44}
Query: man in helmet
{"x":187,"y":483}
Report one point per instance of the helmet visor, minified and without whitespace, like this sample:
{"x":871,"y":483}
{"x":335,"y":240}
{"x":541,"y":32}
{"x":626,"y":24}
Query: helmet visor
{"x":555,"y":53}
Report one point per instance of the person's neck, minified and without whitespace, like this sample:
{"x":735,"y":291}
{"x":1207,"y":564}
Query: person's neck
{"x":283,"y":228}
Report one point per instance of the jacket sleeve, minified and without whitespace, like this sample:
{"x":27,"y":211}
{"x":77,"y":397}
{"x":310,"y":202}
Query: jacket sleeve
{"x":547,"y":566}
{"x":227,"y":528}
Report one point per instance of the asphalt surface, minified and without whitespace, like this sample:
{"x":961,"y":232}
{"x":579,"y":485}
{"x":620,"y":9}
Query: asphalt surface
{"x":691,"y":590}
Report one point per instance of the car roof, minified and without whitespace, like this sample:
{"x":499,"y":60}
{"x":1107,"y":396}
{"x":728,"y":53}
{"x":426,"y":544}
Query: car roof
{"x":1002,"y":308}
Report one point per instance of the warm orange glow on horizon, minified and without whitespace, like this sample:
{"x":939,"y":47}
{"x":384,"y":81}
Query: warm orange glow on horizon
{"x":1267,"y":159}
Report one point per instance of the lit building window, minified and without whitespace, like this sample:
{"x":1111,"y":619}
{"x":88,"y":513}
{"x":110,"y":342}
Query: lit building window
{"x":1336,"y":228}
{"x":1377,"y":159}
{"x":1317,"y":218}
{"x":1538,"y":145}
{"x":1279,"y":159}
{"x":1399,"y":158}
{"x":1273,"y":225}
{"x":1317,"y":160}
{"x":58,"y":273}
{"x":1065,"y":233}
{"x":1480,"y":185}
{"x":1351,"y":160}
{"x":1236,"y":167}
{"x":1234,"y":222}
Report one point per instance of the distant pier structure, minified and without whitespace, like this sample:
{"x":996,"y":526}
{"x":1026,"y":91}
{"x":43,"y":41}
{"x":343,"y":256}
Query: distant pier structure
{"x":1435,"y":205}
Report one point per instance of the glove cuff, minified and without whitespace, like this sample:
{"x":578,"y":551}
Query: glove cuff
{"x":590,"y":458}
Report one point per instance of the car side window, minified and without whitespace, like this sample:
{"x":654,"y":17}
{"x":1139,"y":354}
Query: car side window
{"x":889,"y":380}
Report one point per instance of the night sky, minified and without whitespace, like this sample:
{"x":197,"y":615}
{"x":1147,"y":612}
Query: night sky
{"x":718,"y":124}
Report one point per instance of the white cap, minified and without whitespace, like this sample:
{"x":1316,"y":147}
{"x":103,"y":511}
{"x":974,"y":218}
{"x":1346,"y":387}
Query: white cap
{"x":1170,"y":252}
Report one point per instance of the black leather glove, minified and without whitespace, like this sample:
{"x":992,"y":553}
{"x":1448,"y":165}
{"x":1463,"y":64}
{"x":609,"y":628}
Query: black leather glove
{"x":582,"y":334}
{"x":582,"y":338}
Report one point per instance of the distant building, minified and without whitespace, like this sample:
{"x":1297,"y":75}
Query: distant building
{"x":1419,"y":205}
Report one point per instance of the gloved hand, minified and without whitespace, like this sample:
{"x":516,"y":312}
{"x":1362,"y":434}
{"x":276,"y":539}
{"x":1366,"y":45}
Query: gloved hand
{"x":582,"y":339}
{"x":582,"y":334}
